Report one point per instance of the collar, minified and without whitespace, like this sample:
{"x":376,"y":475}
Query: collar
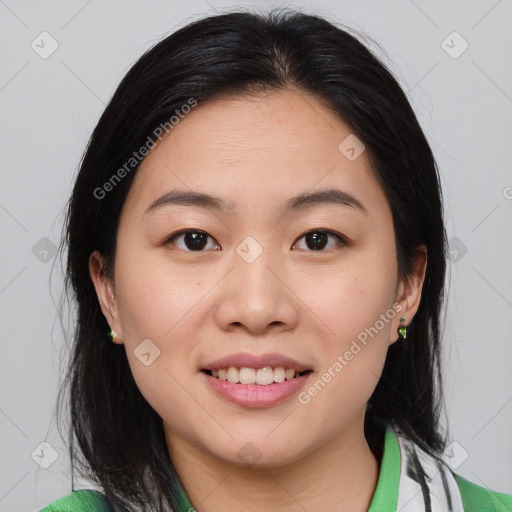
{"x":411,"y":480}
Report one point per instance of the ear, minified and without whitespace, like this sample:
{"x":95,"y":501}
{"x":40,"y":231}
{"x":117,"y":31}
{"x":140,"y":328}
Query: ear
{"x":409,"y":292}
{"x":105,"y":291}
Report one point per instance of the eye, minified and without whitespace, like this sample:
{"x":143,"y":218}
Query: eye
{"x":194,"y":240}
{"x":317,"y":240}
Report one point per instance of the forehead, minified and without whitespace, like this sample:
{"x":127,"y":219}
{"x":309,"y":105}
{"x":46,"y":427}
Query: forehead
{"x":256,"y":149}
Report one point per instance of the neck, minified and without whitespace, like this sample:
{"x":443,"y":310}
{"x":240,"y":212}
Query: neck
{"x":340,"y":475}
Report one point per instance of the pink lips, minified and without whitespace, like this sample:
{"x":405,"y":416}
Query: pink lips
{"x":254,"y":395}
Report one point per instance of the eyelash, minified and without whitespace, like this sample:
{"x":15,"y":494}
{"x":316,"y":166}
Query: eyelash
{"x":343,"y":240}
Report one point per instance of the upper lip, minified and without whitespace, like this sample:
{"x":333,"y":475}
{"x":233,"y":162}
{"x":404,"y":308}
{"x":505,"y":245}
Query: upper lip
{"x":245,"y":360}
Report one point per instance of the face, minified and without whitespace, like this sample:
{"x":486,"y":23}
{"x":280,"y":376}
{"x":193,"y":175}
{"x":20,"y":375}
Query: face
{"x":260,"y":275}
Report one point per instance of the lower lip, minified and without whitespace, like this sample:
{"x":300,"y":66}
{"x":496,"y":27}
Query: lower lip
{"x":254,"y":395}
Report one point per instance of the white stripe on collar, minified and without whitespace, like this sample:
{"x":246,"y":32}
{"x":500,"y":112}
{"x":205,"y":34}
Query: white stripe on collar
{"x":426,"y":485}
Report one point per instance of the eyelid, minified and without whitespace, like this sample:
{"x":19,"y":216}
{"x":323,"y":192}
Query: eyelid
{"x":184,"y":231}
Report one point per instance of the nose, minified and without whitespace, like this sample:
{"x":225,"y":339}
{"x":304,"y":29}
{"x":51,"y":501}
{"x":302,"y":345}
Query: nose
{"x":257,"y":295}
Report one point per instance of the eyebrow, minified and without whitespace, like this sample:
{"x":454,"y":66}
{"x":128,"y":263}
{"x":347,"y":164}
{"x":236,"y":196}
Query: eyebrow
{"x":300,"y":202}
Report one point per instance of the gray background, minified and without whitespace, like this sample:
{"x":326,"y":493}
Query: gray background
{"x":49,"y":107}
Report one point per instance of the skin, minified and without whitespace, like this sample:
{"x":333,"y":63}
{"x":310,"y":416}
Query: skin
{"x":257,"y":152}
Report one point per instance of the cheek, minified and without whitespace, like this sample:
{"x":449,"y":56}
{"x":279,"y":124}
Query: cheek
{"x":155,"y":298}
{"x":355,"y":325}
{"x":158,"y":305}
{"x":353,"y":307}
{"x":350,"y":297}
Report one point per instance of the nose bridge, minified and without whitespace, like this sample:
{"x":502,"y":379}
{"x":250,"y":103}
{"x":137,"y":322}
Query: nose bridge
{"x":253,"y":263}
{"x":255,"y":294}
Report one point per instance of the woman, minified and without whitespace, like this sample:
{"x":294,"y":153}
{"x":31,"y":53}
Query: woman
{"x":257,"y":225}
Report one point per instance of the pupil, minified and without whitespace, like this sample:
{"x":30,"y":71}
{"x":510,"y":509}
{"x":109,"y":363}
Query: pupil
{"x":197,"y":241}
{"x":319,"y":239}
{"x":194,"y":241}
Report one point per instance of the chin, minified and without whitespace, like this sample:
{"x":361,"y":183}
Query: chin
{"x":258,"y":453}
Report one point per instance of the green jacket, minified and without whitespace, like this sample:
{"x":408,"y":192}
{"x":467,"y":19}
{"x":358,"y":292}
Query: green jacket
{"x":399,"y":480}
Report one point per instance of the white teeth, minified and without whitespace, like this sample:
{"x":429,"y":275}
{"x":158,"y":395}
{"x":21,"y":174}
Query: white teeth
{"x":279,"y":374}
{"x":261,"y":376}
{"x":264,"y":376}
{"x":247,"y":375}
{"x":233,"y":374}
